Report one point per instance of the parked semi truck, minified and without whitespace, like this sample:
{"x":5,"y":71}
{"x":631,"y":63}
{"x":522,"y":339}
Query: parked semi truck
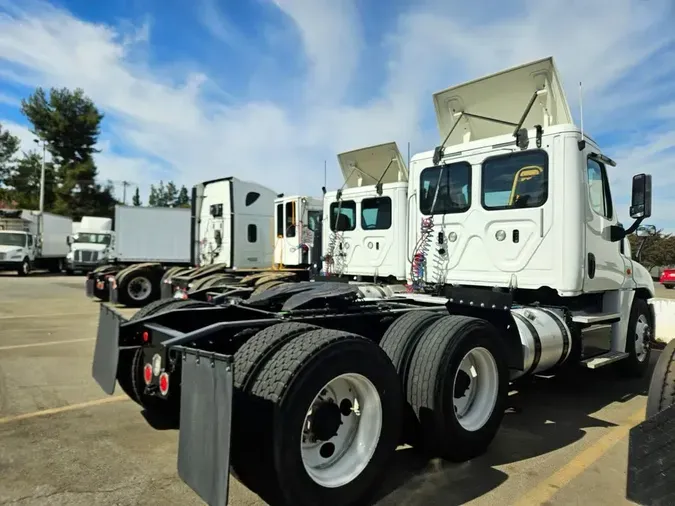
{"x":148,"y":242}
{"x":515,"y":264}
{"x":33,"y":240}
{"x":92,"y":244}
{"x":294,"y":234}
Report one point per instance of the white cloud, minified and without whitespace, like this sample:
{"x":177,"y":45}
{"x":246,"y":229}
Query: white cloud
{"x":168,"y":121}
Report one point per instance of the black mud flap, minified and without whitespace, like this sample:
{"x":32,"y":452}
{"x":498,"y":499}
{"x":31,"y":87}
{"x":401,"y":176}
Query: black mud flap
{"x":166,"y":290}
{"x":205,"y":424}
{"x":106,"y":351}
{"x":89,"y":287}
{"x":651,"y":459}
{"x":112,"y":292}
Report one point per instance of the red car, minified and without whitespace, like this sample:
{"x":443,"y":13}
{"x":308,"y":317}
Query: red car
{"x":668,"y":278}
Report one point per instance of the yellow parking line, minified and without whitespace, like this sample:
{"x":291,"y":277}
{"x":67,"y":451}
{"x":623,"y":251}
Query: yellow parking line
{"x":63,"y":409}
{"x":46,"y":315}
{"x":48,"y":343}
{"x":547,"y":488}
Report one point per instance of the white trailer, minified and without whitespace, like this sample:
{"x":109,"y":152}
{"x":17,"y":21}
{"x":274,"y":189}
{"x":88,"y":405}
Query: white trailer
{"x":33,"y":240}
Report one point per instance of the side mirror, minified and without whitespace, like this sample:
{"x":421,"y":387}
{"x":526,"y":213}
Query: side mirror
{"x":641,"y":197}
{"x":69,"y":240}
{"x":646,"y":231}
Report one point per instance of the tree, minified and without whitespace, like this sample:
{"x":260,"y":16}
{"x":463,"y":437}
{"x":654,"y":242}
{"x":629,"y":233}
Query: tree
{"x":9,"y":145}
{"x":153,"y":198}
{"x":183,"y":199}
{"x":170,"y":194}
{"x":136,"y":200}
{"x":24,"y":179}
{"x":69,"y":123}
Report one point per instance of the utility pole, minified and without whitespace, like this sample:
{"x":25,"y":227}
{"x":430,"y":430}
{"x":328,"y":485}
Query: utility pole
{"x":42,"y":174}
{"x":124,"y":191}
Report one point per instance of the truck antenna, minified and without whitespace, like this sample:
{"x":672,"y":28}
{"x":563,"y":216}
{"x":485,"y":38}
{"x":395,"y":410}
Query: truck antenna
{"x":325,"y":177}
{"x":582,"y":142}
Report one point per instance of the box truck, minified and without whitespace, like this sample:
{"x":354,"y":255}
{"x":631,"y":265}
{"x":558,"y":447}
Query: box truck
{"x":33,"y":240}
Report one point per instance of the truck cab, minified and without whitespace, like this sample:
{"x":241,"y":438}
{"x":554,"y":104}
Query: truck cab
{"x":297,"y":222}
{"x":15,"y":247}
{"x":232,"y":224}
{"x":365,"y":233}
{"x":91,"y":245}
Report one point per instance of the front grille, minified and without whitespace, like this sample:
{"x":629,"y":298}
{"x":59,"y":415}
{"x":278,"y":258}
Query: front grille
{"x":85,"y":256}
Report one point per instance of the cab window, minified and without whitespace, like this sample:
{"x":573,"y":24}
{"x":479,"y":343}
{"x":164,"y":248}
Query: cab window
{"x":314,"y":220}
{"x":445,"y":189}
{"x":343,"y":216}
{"x":376,"y":213}
{"x":598,"y":188}
{"x":515,"y":181}
{"x":290,"y":219}
{"x":280,"y":220}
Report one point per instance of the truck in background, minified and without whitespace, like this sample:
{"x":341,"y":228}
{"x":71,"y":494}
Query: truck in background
{"x":92,"y":244}
{"x":33,"y":240}
{"x":294,"y":233}
{"x":147,"y":242}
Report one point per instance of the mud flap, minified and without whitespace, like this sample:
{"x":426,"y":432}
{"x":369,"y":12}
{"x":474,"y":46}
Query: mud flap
{"x":89,"y":287}
{"x":106,"y":351}
{"x":112,"y":292}
{"x":205,"y":424}
{"x":165,"y":290}
{"x":651,"y":457}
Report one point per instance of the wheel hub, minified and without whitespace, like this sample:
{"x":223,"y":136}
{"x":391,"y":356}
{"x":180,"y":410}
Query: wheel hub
{"x":325,"y":421}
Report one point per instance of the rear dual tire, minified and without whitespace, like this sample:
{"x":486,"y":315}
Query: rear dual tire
{"x":455,"y":379}
{"x":333,"y":455}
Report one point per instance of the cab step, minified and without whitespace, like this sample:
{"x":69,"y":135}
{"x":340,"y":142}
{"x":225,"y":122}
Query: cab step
{"x":593,"y":318}
{"x":605,"y":359}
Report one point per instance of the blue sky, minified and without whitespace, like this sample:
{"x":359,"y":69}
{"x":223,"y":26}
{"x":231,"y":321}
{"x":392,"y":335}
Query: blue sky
{"x":267,"y":90}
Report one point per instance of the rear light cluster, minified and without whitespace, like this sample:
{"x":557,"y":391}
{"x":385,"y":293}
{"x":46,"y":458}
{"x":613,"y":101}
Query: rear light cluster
{"x":154,"y":369}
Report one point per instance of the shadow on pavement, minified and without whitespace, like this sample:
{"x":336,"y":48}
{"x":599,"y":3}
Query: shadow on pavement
{"x":545,"y":415}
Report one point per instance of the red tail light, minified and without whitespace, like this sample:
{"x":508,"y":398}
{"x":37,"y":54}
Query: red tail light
{"x":146,"y":336}
{"x":147,"y":373}
{"x":164,"y":383}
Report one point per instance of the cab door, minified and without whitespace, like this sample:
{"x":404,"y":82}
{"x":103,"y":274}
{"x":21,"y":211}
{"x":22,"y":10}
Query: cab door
{"x":605,"y":268}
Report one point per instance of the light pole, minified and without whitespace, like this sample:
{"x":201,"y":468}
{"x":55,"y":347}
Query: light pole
{"x":42,"y":175}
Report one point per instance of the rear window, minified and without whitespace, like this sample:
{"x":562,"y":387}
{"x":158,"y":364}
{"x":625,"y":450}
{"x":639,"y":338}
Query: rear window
{"x":515,"y":181}
{"x":445,"y":189}
{"x":376,"y":213}
{"x":343,"y":216}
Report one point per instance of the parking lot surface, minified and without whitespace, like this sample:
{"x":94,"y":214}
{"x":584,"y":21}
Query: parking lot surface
{"x":63,"y":442}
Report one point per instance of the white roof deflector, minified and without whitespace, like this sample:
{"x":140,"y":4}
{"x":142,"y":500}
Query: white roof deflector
{"x":503,"y":97}
{"x":369,"y":165}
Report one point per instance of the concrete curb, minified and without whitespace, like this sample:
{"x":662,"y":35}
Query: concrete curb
{"x":664,"y":309}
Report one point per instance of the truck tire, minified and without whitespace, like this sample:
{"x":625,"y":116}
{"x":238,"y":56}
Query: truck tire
{"x":138,"y":287}
{"x":438,"y":372}
{"x":399,"y":342}
{"x":167,"y":408}
{"x":661,"y":393}
{"x":56,"y":266}
{"x":24,"y":268}
{"x":638,"y":341}
{"x":325,"y":371}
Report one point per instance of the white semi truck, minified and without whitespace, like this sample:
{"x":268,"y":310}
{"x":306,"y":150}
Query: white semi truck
{"x":92,"y":244}
{"x":273,"y":240}
{"x":33,"y":240}
{"x":515,"y":264}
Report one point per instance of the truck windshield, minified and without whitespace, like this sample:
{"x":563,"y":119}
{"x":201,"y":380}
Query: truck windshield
{"x":12,"y":239}
{"x":86,"y":238}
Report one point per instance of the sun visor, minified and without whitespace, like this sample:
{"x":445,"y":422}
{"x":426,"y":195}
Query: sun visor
{"x":367,"y":165}
{"x":503,"y":96}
